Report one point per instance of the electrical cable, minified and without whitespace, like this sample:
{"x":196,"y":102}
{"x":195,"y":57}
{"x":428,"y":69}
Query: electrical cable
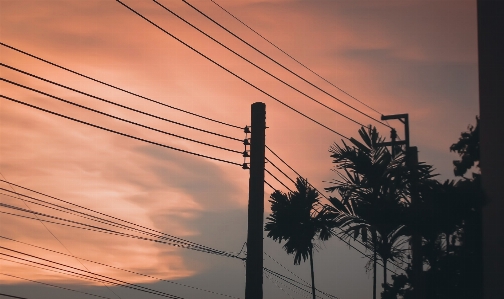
{"x":118,"y":133}
{"x":295,"y":171}
{"x":358,"y":241}
{"x":115,"y":224}
{"x":269,"y":161}
{"x":282,"y":66}
{"x":118,"y":88}
{"x":117,"y":268}
{"x":52,"y":270}
{"x":275,"y":283}
{"x":118,"y":118}
{"x":54,"y":236}
{"x":306,"y":284}
{"x":55,"y":286}
{"x":274,"y":189}
{"x":11,"y":296}
{"x":96,"y":276}
{"x":281,"y":278}
{"x":277,"y":180}
{"x":172,"y":238}
{"x":116,"y":104}
{"x":260,"y":68}
{"x":295,"y":59}
{"x":105,"y":230}
{"x":283,"y":267}
{"x":229,"y":71}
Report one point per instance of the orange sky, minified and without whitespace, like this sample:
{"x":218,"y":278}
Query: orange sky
{"x":416,"y":57}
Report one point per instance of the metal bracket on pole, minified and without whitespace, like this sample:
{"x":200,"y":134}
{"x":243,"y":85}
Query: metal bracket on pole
{"x":393,"y":134}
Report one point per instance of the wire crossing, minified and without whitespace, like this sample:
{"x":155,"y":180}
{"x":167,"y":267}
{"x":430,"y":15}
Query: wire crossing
{"x":114,"y":103}
{"x":52,"y":285}
{"x":118,"y":118}
{"x":338,"y":236}
{"x":159,"y":239}
{"x":117,"y":132}
{"x":309,"y":69}
{"x":257,"y":66}
{"x":117,"y":268}
{"x":118,"y":88}
{"x":170,"y":237}
{"x":52,"y":234}
{"x":89,"y":275}
{"x":305,"y":282}
{"x":285,"y":68}
{"x":229,"y":71}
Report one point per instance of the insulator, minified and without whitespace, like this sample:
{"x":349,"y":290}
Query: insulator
{"x":246,"y":129}
{"x":246,"y":141}
{"x":245,"y":154}
{"x":393,"y":134}
{"x":245,"y":166}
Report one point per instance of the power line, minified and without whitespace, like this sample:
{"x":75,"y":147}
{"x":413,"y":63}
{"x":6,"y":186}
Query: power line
{"x":116,"y":104}
{"x":309,"y":69}
{"x":285,"y":268}
{"x":52,"y":234}
{"x":229,"y":71}
{"x":274,"y":189}
{"x":293,"y":171}
{"x":52,"y":270}
{"x":92,"y":276}
{"x":306,"y":283}
{"x":277,"y":180}
{"x":119,"y":133}
{"x":52,"y":285}
{"x":85,"y":216}
{"x":171,"y":237}
{"x":275,"y":283}
{"x":118,"y":118}
{"x":269,"y":161}
{"x":285,"y":68}
{"x":112,"y":232}
{"x":105,"y":230}
{"x":257,"y":66}
{"x":11,"y":296}
{"x":281,"y":277}
{"x":337,"y":227}
{"x":115,"y":224}
{"x":118,"y":88}
{"x":117,"y":268}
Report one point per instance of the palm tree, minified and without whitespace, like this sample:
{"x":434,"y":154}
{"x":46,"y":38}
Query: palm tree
{"x":295,"y":220}
{"x":371,"y":188}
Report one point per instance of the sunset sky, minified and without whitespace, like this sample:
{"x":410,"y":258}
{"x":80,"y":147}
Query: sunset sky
{"x":415,"y":57}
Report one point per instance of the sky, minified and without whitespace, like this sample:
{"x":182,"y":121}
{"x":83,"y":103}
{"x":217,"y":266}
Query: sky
{"x":415,"y":57}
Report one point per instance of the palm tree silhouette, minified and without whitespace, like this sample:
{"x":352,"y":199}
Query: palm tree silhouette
{"x":371,"y":186}
{"x":294,"y":218}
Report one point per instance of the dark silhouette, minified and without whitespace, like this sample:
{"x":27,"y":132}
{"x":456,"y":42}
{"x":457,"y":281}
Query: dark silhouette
{"x":371,"y":188}
{"x":449,"y":217}
{"x":295,"y":219}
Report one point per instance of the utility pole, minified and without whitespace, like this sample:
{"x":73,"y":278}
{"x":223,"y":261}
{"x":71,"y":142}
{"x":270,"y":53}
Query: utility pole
{"x":254,"y":262}
{"x":412,"y":164}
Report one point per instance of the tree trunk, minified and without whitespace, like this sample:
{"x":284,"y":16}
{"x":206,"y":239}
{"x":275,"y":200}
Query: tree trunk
{"x":384,"y":271}
{"x":374,"y":267}
{"x":312,"y":274}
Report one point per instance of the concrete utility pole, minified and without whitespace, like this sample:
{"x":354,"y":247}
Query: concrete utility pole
{"x":412,"y":164}
{"x":254,"y":263}
{"x":416,"y":237}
